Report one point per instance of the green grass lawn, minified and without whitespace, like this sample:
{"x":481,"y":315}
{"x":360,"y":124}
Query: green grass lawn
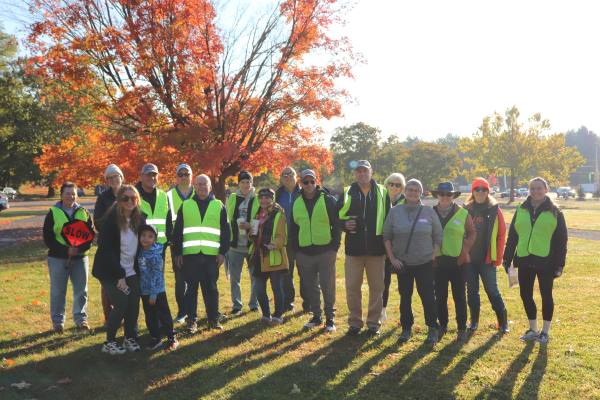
{"x":250,"y":361}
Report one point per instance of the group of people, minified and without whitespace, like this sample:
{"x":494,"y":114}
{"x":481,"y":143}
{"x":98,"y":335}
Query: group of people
{"x":388,"y":231}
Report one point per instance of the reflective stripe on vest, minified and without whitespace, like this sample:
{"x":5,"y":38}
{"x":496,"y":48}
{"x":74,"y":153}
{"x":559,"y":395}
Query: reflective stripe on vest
{"x":454,"y":233}
{"x":60,"y":219}
{"x":314,"y":229}
{"x":534,"y":240}
{"x":201,"y":235}
{"x":380,"y":193}
{"x":158,"y":218}
{"x":175,"y":202}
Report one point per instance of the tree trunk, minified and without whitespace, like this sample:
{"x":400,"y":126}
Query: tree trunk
{"x":51,"y":191}
{"x":512,"y":186}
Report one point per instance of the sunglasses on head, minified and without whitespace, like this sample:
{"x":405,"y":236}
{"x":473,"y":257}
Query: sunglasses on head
{"x":126,"y":198}
{"x":182,"y":174}
{"x":308,"y":182}
{"x":394,"y":184}
{"x":444,"y":194}
{"x":480,"y":189}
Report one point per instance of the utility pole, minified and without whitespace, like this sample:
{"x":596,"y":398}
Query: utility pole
{"x":597,"y":175}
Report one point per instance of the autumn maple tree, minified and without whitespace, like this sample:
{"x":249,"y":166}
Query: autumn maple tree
{"x":186,"y":81}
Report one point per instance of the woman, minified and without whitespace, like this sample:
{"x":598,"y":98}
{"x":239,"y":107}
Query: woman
{"x":268,"y":254}
{"x":114,"y":179}
{"x":457,"y":238}
{"x":65,"y":262}
{"x":395,"y":186}
{"x":115,"y":266}
{"x":486,"y":253}
{"x":412,"y":235}
{"x":537,"y":246}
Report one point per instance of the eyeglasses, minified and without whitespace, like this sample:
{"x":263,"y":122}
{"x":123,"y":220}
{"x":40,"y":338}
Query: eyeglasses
{"x":308,"y":182}
{"x":182,"y":174}
{"x":394,"y":184}
{"x":444,"y":194}
{"x":287,"y":174}
{"x":126,"y":198}
{"x":266,"y":196}
{"x":480,"y":189}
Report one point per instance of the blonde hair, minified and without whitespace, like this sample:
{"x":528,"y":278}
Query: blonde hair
{"x":490,"y":200}
{"x":135,"y":220}
{"x":396,"y":176}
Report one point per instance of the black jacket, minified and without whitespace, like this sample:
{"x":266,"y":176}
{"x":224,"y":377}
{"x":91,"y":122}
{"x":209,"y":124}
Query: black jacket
{"x":233,"y":225}
{"x":558,"y":246}
{"x":107,"y":263}
{"x":332,"y":212}
{"x":104,"y":202}
{"x":177,"y":244}
{"x":364,"y":242}
{"x":55,"y":249}
{"x":151,"y":199}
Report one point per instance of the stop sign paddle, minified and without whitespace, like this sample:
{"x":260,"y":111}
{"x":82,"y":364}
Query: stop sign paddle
{"x":77,"y":233}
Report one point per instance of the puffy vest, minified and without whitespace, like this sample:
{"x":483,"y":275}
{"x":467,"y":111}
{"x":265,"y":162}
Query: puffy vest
{"x":454,"y":233}
{"x":380,"y":192}
{"x":175,"y":202}
{"x":534,"y":240}
{"x":314,"y":229}
{"x":201,"y":235}
{"x":158,"y":218}
{"x":60,"y":219}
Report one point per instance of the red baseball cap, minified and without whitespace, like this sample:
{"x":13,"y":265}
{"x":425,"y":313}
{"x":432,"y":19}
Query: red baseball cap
{"x":480,"y":182}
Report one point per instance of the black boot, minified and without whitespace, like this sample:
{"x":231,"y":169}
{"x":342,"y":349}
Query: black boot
{"x":474,"y":320}
{"x":502,"y":322}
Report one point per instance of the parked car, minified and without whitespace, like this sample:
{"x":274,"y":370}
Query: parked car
{"x":506,"y":194}
{"x":3,"y":202}
{"x":565,"y":192}
{"x":9,"y":192}
{"x":522,"y":192}
{"x":80,"y":192}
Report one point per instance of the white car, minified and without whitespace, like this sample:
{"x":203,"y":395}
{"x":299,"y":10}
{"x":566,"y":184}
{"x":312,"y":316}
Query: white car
{"x":3,"y":202}
{"x":9,"y":192}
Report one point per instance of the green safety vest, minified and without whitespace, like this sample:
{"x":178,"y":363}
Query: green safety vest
{"x":454,"y":233}
{"x":315,"y":229}
{"x":175,"y":202}
{"x":201,"y":235}
{"x":494,"y":241}
{"x":60,"y":219}
{"x":534,"y":240}
{"x":231,"y":200}
{"x":381,"y":193}
{"x":275,"y":257}
{"x":158,"y":218}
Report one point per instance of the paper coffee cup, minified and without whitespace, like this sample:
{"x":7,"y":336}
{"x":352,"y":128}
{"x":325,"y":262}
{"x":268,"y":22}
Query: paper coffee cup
{"x":241,"y":220}
{"x":254,"y":227}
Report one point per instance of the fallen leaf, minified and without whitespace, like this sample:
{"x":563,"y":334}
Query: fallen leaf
{"x":14,"y":334}
{"x":295,"y":389}
{"x":8,"y":362}
{"x":36,"y":302}
{"x":20,"y":385}
{"x":64,"y":381}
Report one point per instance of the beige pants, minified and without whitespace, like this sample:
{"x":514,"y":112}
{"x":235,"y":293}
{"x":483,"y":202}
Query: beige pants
{"x":355,"y":267}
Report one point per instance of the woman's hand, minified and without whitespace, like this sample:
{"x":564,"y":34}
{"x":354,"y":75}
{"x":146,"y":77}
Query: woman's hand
{"x":122,"y":285}
{"x":397,"y":264}
{"x":244,"y":225}
{"x":270,"y":246}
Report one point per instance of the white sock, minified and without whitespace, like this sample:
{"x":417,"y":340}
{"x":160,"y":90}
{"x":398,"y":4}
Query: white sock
{"x":533,"y":325}
{"x":546,"y":327}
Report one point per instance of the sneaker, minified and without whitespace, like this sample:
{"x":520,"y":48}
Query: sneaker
{"x":353,"y":331}
{"x":236,"y":312}
{"x":473,"y":326}
{"x":130,"y":344}
{"x":265,"y":319}
{"x":529,"y":335}
{"x":289,"y":308}
{"x":432,"y":336}
{"x":405,"y":335}
{"x":461,"y":335}
{"x":155,"y":344}
{"x":180,"y":319}
{"x":83,"y":326}
{"x":543,"y":338}
{"x":330,"y":326}
{"x":373,"y":331}
{"x":58,"y":328}
{"x":383,"y":316}
{"x":172,"y":344}
{"x":112,"y":348}
{"x":313,"y":323}
{"x":191,"y":327}
{"x":276,"y":320}
{"x":216,"y":325}
{"x":441,"y":332}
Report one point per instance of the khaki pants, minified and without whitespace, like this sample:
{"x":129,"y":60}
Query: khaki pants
{"x":354,"y":267}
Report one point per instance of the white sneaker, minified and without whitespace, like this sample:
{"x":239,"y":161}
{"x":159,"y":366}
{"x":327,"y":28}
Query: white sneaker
{"x":112,"y":348}
{"x":542,"y":338}
{"x":313,"y":323}
{"x":276,"y":320}
{"x":131,"y":344}
{"x":383,"y":316}
{"x":529,"y":335}
{"x":330,"y":326}
{"x":266,"y":320}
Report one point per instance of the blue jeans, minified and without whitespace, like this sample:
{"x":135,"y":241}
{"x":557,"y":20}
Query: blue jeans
{"x":235,"y":262}
{"x":277,"y":286}
{"x":59,"y":276}
{"x":488,"y":277}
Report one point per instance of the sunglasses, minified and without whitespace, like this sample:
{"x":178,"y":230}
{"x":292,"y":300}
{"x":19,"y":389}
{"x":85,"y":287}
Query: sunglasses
{"x":113,"y":177}
{"x":394,"y":184}
{"x":287,"y":174}
{"x":308,"y":182}
{"x":125,"y":199}
{"x":480,"y":189}
{"x":181,"y":175}
{"x":444,"y":194}
{"x":265,"y":196}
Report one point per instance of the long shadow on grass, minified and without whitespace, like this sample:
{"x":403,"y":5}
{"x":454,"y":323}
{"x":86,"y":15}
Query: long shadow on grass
{"x":504,"y":387}
{"x":531,"y":386}
{"x":51,"y":341}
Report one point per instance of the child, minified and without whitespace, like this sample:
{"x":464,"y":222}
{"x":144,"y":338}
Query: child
{"x":152,"y":287}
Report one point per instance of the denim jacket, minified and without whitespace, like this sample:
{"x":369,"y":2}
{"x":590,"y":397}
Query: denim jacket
{"x":152,"y":279}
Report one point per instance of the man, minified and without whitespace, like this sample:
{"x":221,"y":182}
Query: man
{"x":154,"y":204}
{"x":285,"y":197}
{"x":363,"y":209}
{"x":200,"y":241}
{"x":238,"y":208}
{"x":315,"y":235}
{"x":182,"y":191}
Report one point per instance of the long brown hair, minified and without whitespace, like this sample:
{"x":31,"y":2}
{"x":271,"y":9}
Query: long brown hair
{"x":135,"y":220}
{"x":490,"y":201}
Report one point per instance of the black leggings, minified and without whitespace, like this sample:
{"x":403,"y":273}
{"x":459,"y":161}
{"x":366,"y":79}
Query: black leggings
{"x":545,"y":277}
{"x":387,"y":281}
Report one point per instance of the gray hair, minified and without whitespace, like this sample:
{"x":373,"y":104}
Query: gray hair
{"x":396,"y":176}
{"x":203,"y":176}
